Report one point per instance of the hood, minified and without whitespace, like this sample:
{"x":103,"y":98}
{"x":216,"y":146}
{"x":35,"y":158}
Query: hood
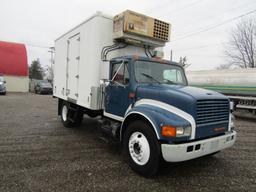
{"x":182,"y":97}
{"x":197,"y":93}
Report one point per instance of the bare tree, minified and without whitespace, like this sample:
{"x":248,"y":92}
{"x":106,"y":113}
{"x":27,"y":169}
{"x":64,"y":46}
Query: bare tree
{"x":241,"y":49}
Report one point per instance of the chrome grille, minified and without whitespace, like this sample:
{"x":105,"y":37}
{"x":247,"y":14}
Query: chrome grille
{"x":212,"y":111}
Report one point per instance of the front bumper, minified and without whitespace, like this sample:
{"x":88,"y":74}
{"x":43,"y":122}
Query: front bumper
{"x":2,"y":90}
{"x":192,"y":150}
{"x":46,"y":91}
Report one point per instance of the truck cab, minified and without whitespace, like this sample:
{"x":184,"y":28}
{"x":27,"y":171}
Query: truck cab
{"x":187,"y":122}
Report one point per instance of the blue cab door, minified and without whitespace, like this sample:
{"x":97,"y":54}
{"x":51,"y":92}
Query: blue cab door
{"x":117,"y":92}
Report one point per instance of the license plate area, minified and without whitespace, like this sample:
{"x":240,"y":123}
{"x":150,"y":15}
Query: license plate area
{"x":214,"y":145}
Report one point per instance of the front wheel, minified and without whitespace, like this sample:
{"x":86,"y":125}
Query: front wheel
{"x":141,"y":148}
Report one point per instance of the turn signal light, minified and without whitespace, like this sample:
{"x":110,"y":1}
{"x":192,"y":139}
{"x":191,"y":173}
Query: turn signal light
{"x":168,"y":131}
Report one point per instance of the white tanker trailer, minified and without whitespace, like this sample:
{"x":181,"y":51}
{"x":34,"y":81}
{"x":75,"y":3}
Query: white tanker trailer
{"x":238,"y":84}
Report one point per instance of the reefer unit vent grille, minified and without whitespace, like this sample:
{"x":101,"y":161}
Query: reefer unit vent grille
{"x":161,"y":30}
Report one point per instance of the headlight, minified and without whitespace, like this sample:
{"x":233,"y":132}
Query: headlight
{"x":170,"y":131}
{"x":232,"y":122}
{"x":231,"y":105}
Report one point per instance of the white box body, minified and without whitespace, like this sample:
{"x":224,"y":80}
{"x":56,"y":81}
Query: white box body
{"x":78,"y":68}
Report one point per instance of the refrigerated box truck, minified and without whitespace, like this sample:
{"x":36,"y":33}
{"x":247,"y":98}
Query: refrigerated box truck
{"x":112,"y":67}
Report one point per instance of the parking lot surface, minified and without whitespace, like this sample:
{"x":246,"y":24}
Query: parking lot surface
{"x":38,"y":154}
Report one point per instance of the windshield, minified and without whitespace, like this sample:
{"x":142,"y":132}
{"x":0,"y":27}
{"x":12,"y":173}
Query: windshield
{"x":45,"y":84}
{"x":154,"y":72}
{"x":1,"y":79}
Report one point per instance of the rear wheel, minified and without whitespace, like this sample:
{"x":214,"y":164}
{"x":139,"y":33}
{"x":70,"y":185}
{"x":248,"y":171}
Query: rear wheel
{"x":141,"y":148}
{"x":70,"y":118}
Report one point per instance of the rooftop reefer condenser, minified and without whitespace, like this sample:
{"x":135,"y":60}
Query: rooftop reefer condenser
{"x":132,"y":26}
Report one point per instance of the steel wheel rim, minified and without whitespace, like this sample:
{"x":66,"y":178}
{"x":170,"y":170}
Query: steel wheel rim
{"x":139,"y":148}
{"x":64,"y":112}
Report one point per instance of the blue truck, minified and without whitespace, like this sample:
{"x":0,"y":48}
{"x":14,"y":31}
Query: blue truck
{"x":143,"y":101}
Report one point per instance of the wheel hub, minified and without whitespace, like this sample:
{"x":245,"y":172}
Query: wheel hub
{"x":136,"y":148}
{"x":139,"y":148}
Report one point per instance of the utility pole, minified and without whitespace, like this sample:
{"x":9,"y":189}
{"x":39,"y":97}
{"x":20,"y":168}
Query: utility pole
{"x":171,"y":56}
{"x":51,"y":51}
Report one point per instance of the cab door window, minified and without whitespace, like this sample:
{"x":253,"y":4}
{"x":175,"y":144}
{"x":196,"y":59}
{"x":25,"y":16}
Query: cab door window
{"x":120,"y":74}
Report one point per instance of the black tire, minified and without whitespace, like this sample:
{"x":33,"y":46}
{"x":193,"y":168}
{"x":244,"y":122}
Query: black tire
{"x":149,"y":167}
{"x":69,"y":118}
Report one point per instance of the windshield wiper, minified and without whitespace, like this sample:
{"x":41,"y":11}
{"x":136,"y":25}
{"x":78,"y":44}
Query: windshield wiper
{"x":169,"y":81}
{"x":150,"y":77}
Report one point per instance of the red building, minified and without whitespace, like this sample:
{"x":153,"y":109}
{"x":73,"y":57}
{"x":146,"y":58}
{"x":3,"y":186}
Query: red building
{"x":14,"y":66}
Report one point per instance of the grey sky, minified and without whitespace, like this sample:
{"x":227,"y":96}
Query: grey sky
{"x":40,"y":22}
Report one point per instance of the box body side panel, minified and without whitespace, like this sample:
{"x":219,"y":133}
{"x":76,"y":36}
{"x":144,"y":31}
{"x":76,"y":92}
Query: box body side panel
{"x":94,"y":35}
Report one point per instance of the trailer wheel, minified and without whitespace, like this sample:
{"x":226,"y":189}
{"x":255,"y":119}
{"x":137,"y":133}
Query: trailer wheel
{"x":141,"y":148}
{"x":70,"y":118}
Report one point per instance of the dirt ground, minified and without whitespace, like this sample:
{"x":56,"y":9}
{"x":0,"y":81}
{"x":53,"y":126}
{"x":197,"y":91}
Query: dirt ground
{"x":38,"y":154}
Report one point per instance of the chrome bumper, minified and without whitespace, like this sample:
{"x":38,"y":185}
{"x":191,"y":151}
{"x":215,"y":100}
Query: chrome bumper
{"x":187,"y":151}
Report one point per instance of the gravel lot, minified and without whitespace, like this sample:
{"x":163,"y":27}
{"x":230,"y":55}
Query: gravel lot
{"x":38,"y":154}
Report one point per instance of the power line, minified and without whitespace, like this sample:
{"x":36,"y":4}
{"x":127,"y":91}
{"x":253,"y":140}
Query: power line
{"x":200,"y":47}
{"x":38,"y":46}
{"x":175,"y":10}
{"x":30,"y":44}
{"x":182,"y":8}
{"x":223,"y":13}
{"x":214,"y":26}
{"x":205,"y":55}
{"x":159,"y":6}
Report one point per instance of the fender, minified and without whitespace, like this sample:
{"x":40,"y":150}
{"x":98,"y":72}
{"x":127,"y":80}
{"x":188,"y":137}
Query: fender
{"x":159,"y":113}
